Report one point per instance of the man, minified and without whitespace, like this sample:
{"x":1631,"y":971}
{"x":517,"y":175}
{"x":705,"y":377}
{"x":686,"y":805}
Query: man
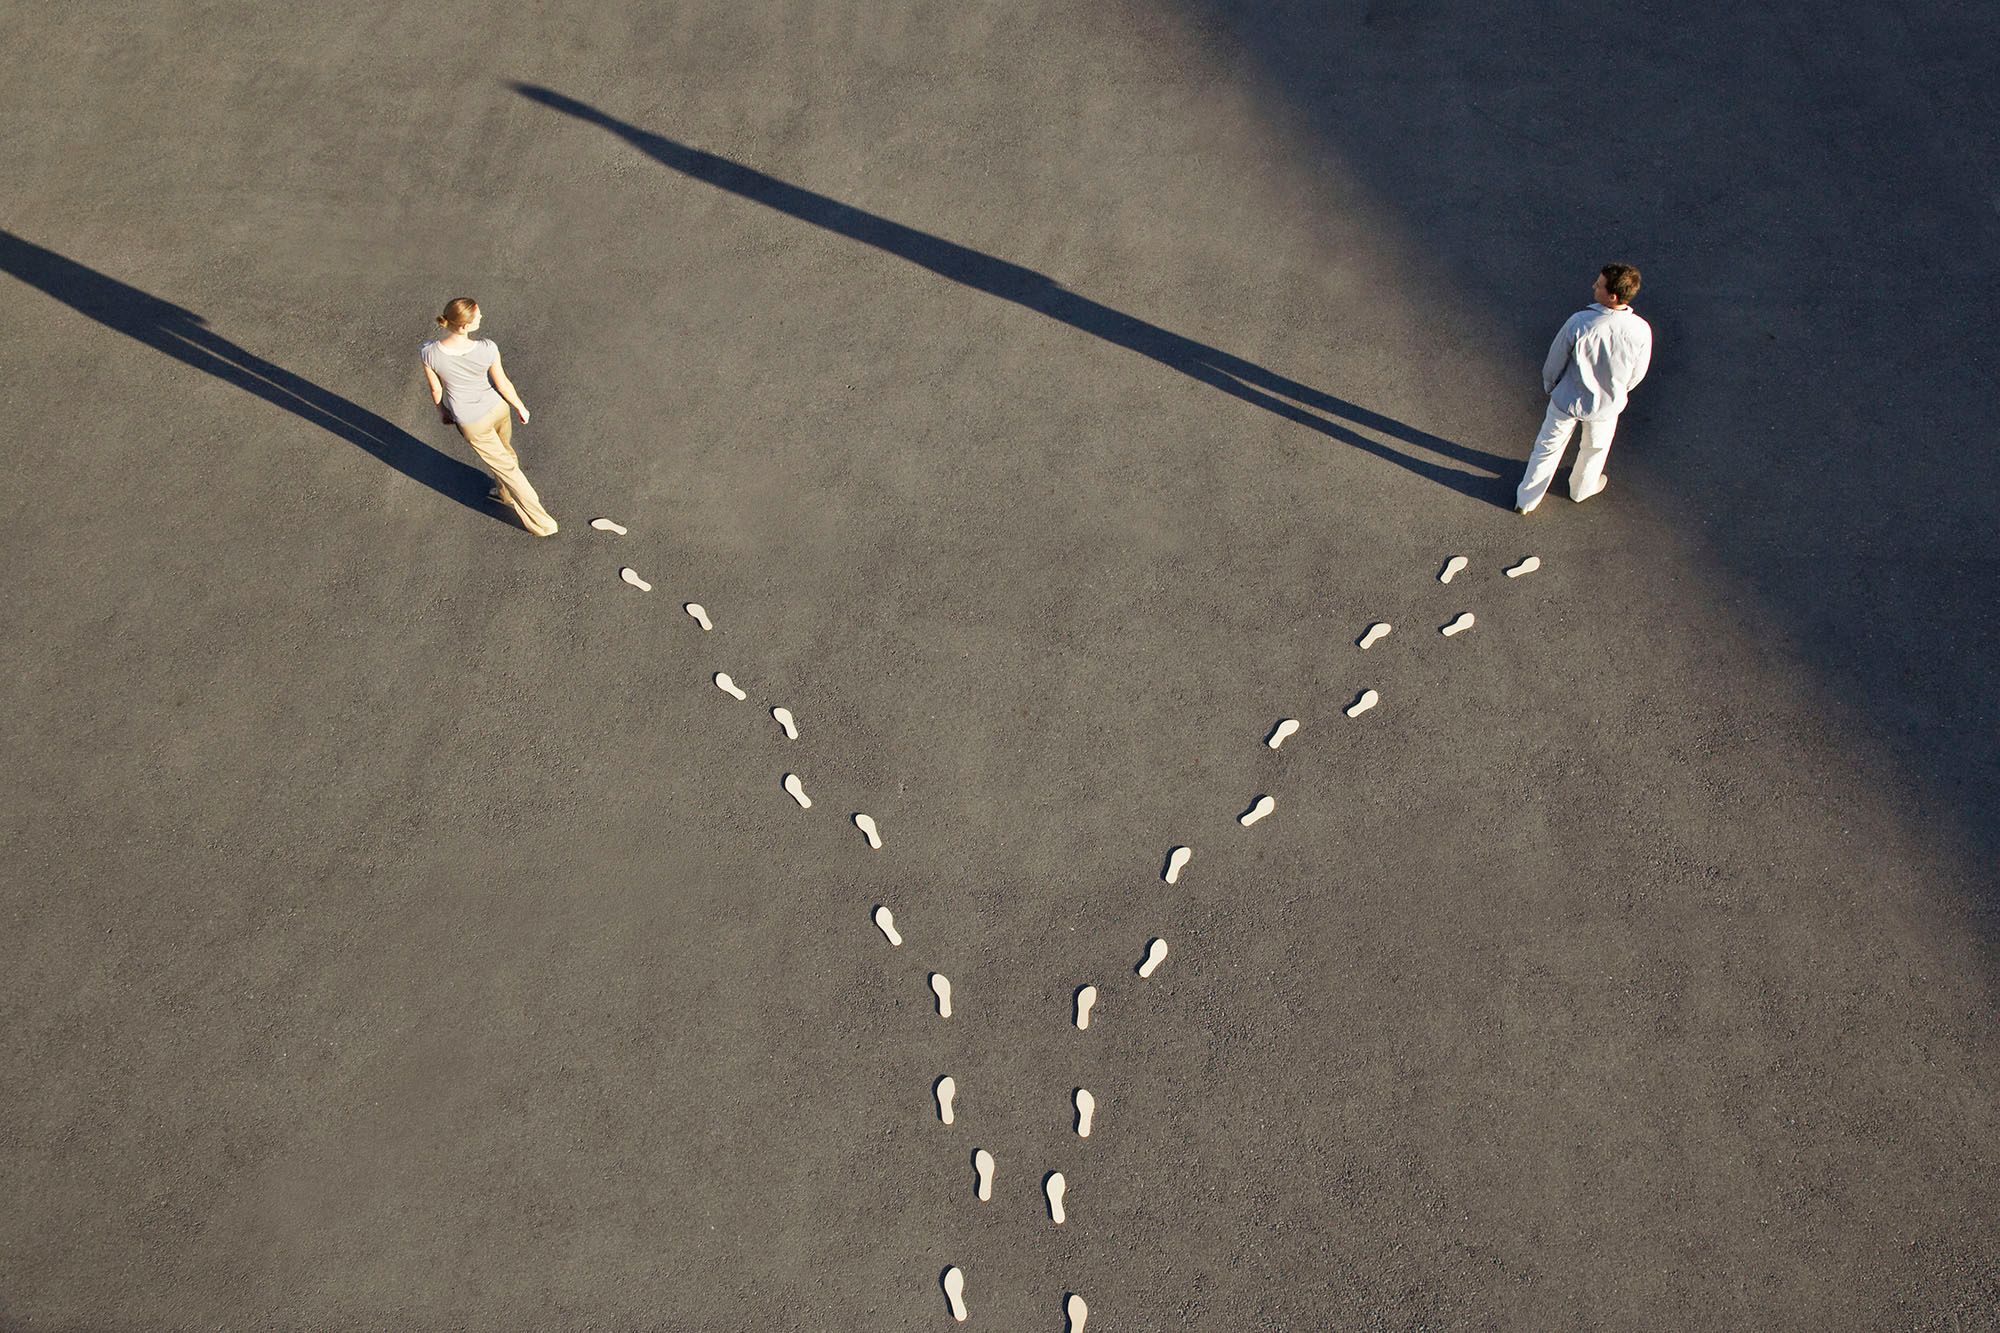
{"x":1597,"y":359}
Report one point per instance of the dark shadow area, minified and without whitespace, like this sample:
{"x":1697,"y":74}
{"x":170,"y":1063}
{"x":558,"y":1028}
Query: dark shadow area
{"x":1809,"y":191}
{"x":186,"y":337}
{"x":1322,"y":412}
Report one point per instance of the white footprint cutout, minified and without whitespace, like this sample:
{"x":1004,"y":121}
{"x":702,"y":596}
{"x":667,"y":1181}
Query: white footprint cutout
{"x":1086,"y":996}
{"x":1376,"y":633}
{"x":982,"y":1163}
{"x":867,"y":826}
{"x":954,"y":1291}
{"x":885,"y":921}
{"x":1361,"y":705}
{"x":1264,"y":806}
{"x":700,"y":614}
{"x":1177,"y":861}
{"x":728,"y":686}
{"x":631,"y":576}
{"x":1528,"y":566}
{"x":785,"y":720}
{"x":1287,"y":728}
{"x":1156,"y":953}
{"x":797,"y":791}
{"x":947,"y":1088}
{"x":1453,"y":566}
{"x":1055,"y":1187}
{"x":1086,"y":1109}
{"x":1458,"y":626}
{"x":941,"y":987}
{"x":608,"y":525}
{"x":1076,"y":1312}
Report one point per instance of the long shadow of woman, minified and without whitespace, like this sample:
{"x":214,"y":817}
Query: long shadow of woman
{"x":186,"y":337}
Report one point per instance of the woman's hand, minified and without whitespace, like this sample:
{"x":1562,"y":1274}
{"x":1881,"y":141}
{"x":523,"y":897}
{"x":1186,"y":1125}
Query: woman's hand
{"x":524,"y":414}
{"x":444,"y":415}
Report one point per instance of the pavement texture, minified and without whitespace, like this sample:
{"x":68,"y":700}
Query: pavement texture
{"x":400,"y":931}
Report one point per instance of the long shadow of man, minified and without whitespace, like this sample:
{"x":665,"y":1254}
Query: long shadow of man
{"x":186,"y":337}
{"x":1330,"y":416}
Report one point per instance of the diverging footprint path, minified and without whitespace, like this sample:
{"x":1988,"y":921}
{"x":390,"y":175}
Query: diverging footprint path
{"x":1366,"y":706}
{"x":916,"y":954}
{"x":1151,"y":946}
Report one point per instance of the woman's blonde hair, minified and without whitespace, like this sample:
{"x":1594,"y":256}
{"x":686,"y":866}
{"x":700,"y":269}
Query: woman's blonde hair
{"x":458,"y":313}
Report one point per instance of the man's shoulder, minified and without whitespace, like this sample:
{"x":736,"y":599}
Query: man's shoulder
{"x":1625,"y":321}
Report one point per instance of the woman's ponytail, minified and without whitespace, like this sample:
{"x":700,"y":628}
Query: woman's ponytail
{"x":458,"y":312}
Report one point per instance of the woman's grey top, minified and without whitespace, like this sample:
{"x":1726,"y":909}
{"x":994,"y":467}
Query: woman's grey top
{"x":467,"y":391}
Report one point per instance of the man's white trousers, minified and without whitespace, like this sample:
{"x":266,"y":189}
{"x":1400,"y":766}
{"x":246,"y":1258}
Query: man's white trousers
{"x":1586,"y":478}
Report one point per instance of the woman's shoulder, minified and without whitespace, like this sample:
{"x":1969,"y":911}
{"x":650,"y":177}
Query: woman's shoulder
{"x":490,"y":348}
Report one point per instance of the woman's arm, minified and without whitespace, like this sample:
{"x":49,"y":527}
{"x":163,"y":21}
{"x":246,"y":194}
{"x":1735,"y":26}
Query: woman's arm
{"x":437,"y":393}
{"x":498,"y":374}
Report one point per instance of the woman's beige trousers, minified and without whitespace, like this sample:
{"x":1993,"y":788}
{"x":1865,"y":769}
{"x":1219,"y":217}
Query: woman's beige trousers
{"x":493,"y":440}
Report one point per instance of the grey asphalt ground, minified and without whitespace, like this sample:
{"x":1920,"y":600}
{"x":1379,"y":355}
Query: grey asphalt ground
{"x":399,"y":931}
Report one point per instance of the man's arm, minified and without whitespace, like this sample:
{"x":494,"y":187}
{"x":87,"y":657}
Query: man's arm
{"x":1557,"y":361}
{"x":1645,"y":361}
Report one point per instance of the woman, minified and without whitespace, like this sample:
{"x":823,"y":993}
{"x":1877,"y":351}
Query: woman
{"x":473,"y":392}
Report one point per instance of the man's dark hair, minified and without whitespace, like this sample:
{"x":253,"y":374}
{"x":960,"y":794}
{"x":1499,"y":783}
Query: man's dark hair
{"x":1622,"y":281}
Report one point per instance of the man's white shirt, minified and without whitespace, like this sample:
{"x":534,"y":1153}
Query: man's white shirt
{"x":1595,"y":362}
